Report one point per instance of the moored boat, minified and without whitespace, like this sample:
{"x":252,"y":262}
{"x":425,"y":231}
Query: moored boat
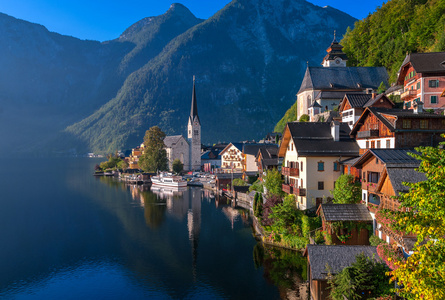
{"x":168,"y":180}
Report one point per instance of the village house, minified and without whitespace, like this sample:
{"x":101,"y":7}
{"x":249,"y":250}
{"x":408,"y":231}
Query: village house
{"x":349,"y":224}
{"x":177,"y":147}
{"x":396,"y":128}
{"x":323,"y":260}
{"x":231,"y":158}
{"x":353,"y":105}
{"x":383,"y":173}
{"x":328,"y":84}
{"x":133,"y":159}
{"x":311,"y":155}
{"x":267,"y":159}
{"x":423,"y":78}
{"x":250,"y":152}
{"x":211,"y":158}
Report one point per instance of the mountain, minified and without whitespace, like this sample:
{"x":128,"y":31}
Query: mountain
{"x":248,"y":59}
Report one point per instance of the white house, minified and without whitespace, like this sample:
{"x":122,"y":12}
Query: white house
{"x":311,"y":159}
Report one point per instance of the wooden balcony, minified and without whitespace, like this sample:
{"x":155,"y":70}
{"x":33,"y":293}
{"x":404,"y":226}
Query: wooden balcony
{"x":408,"y":94}
{"x":300,"y":192}
{"x":368,"y":134}
{"x":286,"y":171}
{"x":288,"y":189}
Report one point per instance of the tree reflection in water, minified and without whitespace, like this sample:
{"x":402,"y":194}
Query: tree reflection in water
{"x":284,"y":268}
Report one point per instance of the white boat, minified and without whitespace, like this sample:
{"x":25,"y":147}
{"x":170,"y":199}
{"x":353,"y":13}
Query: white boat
{"x":168,"y":180}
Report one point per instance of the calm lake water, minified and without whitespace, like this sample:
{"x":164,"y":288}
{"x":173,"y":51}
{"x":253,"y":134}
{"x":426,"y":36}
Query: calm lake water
{"x":68,"y":235}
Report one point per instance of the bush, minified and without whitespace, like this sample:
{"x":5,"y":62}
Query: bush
{"x":375,"y":241}
{"x":257,"y":186}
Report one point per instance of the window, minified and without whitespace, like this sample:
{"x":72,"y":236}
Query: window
{"x":433,"y":99}
{"x":367,"y":144}
{"x":196,"y":132}
{"x":378,"y":144}
{"x":376,"y":160}
{"x":301,"y":166}
{"x":372,"y":144}
{"x":433,"y":83}
{"x":388,"y":144}
{"x":423,"y":124}
{"x":406,"y":124}
{"x":373,"y":177}
{"x":418,"y":85}
{"x":320,"y":166}
{"x":301,"y":182}
{"x":336,"y":166}
{"x":321,"y":185}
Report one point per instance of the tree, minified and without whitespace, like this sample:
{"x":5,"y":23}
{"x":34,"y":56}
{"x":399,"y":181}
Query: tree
{"x":177,"y":166}
{"x":346,"y":190}
{"x":304,"y":118}
{"x":273,"y":182}
{"x":239,"y":182}
{"x":364,"y":279}
{"x":422,"y":275}
{"x":123,"y":164}
{"x":154,"y":157}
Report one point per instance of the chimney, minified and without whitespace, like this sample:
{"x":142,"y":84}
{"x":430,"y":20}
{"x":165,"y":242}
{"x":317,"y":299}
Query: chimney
{"x":373,"y":95}
{"x":418,"y":107}
{"x":335,"y":130}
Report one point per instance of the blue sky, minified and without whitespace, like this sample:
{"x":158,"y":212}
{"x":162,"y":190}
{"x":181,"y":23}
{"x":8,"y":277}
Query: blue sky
{"x":105,"y":20}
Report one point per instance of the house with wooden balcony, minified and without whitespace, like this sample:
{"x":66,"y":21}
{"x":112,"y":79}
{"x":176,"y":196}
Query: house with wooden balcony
{"x":423,"y":78}
{"x":387,"y":128}
{"x":353,"y":105}
{"x":311,"y":155}
{"x":383,"y":172}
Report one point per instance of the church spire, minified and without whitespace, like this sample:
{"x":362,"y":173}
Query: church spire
{"x":194,"y":109}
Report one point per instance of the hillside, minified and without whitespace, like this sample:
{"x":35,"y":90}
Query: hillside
{"x":398,"y":27}
{"x":384,"y":38}
{"x":248,"y":60}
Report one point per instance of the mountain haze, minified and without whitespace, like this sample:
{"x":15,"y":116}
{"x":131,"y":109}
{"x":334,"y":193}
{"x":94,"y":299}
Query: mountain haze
{"x":248,"y":59}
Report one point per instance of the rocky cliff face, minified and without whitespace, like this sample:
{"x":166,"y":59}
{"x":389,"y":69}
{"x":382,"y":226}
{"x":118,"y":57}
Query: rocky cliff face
{"x":248,"y":59}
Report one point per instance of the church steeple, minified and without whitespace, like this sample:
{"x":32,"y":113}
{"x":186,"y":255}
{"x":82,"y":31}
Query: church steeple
{"x":335,"y":57}
{"x":194,"y":133}
{"x":194,"y":109}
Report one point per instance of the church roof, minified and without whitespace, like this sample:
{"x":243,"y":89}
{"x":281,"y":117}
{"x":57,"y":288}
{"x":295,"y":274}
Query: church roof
{"x":347,"y":78}
{"x":172,"y":140}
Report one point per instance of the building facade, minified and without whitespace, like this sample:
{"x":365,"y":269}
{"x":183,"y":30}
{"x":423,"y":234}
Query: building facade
{"x":311,"y":155}
{"x":423,"y":78}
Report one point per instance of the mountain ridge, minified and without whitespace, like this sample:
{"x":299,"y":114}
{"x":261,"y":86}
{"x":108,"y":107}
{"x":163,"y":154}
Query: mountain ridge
{"x":248,"y":60}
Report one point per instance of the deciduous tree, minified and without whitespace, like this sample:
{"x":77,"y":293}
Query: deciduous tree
{"x":154,"y":157}
{"x":346,"y":190}
{"x":177,"y":166}
{"x":422,"y":275}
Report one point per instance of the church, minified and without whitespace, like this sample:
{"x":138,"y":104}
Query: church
{"x":323,"y":88}
{"x":188,"y":151}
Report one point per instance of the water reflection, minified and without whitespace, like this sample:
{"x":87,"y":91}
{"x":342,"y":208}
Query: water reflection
{"x":287,"y":269}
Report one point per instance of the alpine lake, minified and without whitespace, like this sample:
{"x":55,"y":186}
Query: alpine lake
{"x":69,"y":235}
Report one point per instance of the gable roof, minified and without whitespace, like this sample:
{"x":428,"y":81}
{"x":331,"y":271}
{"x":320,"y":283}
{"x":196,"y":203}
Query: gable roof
{"x":238,"y":146}
{"x":315,"y":139}
{"x":171,"y":140}
{"x":390,"y":157}
{"x":345,"y":212}
{"x":349,"y":78}
{"x":337,"y":257}
{"x":432,"y":62}
{"x":399,"y":175}
{"x":269,"y":156}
